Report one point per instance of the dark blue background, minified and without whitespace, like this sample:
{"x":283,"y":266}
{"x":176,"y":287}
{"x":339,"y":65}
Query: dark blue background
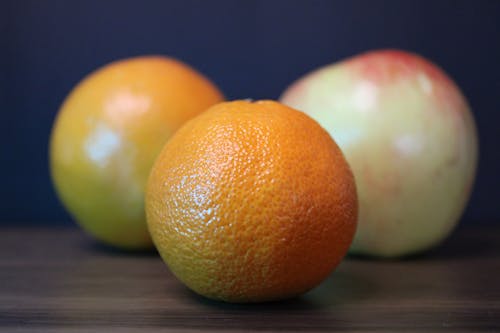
{"x":251,"y":49}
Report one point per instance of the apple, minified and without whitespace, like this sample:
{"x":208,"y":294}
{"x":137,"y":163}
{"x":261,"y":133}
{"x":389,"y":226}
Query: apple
{"x":410,"y":138}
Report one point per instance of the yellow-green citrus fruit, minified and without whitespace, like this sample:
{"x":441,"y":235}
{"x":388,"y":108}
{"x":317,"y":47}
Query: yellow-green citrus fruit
{"x":107,"y":134}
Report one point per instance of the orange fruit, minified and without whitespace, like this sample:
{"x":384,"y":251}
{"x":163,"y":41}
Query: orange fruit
{"x":107,"y":134}
{"x":251,"y":202}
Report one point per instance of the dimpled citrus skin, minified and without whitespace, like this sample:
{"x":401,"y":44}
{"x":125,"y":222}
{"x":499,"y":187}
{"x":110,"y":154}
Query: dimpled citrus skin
{"x":251,"y":202}
{"x":107,"y":135}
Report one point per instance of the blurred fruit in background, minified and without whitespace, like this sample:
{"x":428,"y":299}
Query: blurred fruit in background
{"x":107,"y":135}
{"x":251,"y":201}
{"x":410,"y":138}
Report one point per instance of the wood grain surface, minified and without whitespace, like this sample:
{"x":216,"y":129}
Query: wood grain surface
{"x":59,"y":280}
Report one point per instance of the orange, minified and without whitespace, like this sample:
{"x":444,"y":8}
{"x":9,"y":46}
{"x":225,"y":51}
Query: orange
{"x":107,"y":134}
{"x":251,"y":202}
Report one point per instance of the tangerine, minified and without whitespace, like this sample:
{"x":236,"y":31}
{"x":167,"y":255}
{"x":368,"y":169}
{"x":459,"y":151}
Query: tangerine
{"x":251,"y":202}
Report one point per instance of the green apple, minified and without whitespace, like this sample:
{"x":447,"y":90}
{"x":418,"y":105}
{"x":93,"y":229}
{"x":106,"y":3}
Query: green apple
{"x":410,"y":138}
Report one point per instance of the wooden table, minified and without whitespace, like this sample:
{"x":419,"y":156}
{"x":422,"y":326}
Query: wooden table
{"x":58,"y":280}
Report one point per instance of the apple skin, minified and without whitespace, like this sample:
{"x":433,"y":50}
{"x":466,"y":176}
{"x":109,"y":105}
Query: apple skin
{"x":410,"y":138}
